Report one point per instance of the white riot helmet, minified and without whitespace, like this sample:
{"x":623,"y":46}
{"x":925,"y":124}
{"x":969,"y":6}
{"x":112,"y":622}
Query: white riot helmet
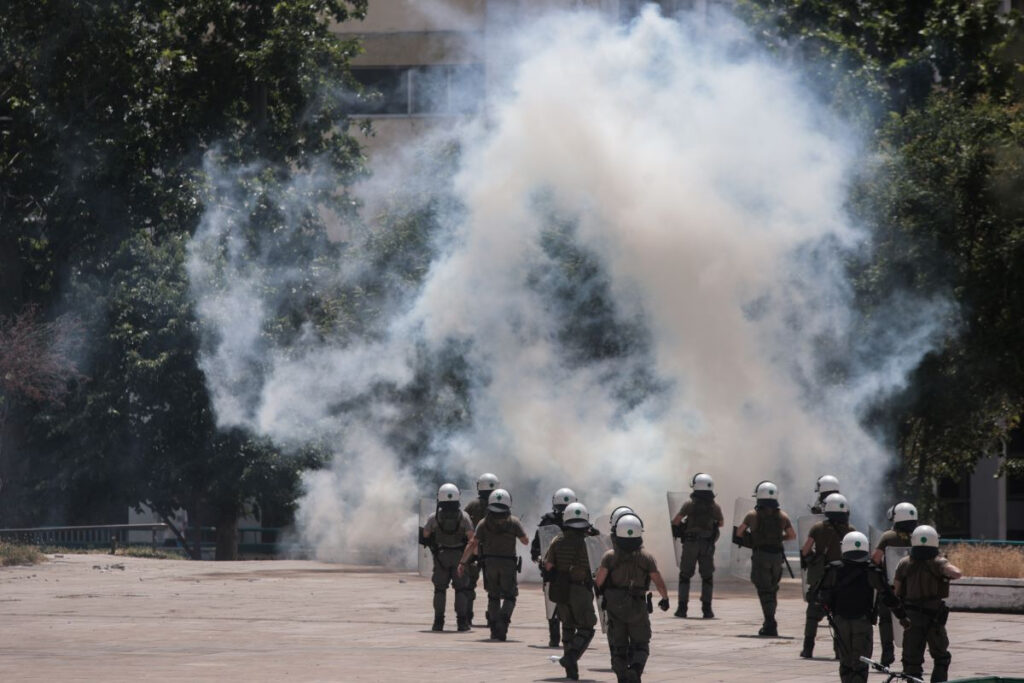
{"x":563,"y":497}
{"x":924,"y":536}
{"x":487,"y":482}
{"x":904,"y":512}
{"x":702,"y":482}
{"x":826,"y":484}
{"x":499,"y":501}
{"x":448,"y":493}
{"x":617,"y":513}
{"x":855,"y":546}
{"x":576,"y":516}
{"x":766,"y":490}
{"x":629,"y":526}
{"x":836,"y":503}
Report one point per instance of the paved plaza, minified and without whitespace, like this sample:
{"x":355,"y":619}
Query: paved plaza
{"x":103,"y":618}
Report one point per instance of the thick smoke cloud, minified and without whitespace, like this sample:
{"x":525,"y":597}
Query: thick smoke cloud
{"x":703,"y":188}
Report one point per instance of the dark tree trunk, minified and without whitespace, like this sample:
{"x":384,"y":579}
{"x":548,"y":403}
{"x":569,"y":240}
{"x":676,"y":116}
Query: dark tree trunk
{"x":227,"y":536}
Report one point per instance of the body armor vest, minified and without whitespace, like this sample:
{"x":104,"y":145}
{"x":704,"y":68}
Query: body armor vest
{"x":570,"y":556}
{"x":701,"y":516}
{"x":627,"y":573}
{"x":448,"y":533}
{"x":925,"y":581}
{"x":767,"y":533}
{"x":831,"y":547}
{"x":499,"y":537}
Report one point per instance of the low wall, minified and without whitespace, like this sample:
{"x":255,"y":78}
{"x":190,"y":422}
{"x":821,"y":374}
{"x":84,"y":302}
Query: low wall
{"x":979,"y":594}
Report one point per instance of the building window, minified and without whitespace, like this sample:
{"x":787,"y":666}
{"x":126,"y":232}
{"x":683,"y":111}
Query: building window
{"x":439,"y":90}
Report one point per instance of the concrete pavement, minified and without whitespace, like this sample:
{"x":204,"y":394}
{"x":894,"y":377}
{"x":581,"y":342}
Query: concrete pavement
{"x":103,"y":618}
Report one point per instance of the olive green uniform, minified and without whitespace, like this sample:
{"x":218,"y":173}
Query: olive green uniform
{"x":849,"y":590}
{"x":625,"y":599}
{"x":702,"y":519}
{"x":767,"y":527}
{"x":449,"y":532}
{"x":476,"y":509}
{"x":497,"y":539}
{"x":895,"y":539}
{"x":828,"y":542}
{"x":572,"y":585}
{"x":922,"y":587}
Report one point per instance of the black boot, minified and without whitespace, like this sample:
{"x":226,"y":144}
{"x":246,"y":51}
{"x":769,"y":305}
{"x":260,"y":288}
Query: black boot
{"x":769,"y":629}
{"x":438,"y":624}
{"x":706,"y":610}
{"x":463,"y":624}
{"x":572,"y":671}
{"x":808,"y":651}
{"x":888,"y":655}
{"x":681,"y":610}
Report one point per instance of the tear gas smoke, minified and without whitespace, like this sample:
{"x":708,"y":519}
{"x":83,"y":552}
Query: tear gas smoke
{"x":704,"y":190}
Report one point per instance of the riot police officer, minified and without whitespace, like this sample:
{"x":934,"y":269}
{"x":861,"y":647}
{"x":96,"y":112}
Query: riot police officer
{"x":446,"y":532}
{"x":823,"y":545}
{"x":495,"y":538}
{"x":559,"y":500}
{"x":764,"y":529}
{"x":922,"y":582}
{"x":904,"y":521}
{"x":568,"y":566}
{"x":848,"y":592}
{"x":476,"y":509}
{"x":698,"y":524}
{"x":623,"y":579}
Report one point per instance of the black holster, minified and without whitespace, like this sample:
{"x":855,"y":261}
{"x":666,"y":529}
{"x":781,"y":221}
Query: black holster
{"x":650,"y":604}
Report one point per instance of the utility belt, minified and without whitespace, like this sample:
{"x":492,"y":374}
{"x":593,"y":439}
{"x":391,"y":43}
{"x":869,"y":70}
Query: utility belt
{"x":498,"y":557}
{"x":938,"y":611}
{"x":698,"y":535}
{"x":631,"y":592}
{"x":770,"y":549}
{"x":452,"y":547}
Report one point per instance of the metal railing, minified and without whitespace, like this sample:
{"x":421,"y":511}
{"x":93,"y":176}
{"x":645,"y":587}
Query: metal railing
{"x":978,"y":541}
{"x":81,"y":536}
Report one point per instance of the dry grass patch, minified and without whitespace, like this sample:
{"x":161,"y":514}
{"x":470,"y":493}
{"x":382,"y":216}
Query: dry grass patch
{"x":999,"y":562}
{"x":12,"y":554}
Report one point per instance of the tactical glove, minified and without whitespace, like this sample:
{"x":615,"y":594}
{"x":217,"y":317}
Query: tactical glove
{"x":663,"y":604}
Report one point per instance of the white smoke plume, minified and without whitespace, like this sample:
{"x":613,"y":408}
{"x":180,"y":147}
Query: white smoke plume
{"x":707,"y":187}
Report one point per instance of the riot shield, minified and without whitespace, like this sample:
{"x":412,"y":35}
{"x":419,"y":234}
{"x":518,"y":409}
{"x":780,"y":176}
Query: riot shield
{"x":597,"y":546}
{"x":424,"y":558}
{"x":546,"y":534}
{"x":803,"y":529}
{"x":739,"y":557}
{"x":675,"y":502}
{"x":874,"y":535}
{"x":893,"y":555}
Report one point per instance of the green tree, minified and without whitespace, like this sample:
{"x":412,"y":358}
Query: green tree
{"x":938,"y":87}
{"x":108,"y":110}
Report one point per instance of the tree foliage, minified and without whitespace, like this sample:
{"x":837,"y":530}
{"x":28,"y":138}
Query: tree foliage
{"x":108,"y":111}
{"x":939,"y":86}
